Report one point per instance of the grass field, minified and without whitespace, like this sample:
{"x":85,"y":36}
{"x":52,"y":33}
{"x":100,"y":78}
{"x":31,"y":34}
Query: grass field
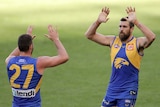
{"x":82,"y":81}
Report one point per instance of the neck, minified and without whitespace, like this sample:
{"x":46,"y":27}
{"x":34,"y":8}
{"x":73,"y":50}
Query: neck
{"x":25,"y":54}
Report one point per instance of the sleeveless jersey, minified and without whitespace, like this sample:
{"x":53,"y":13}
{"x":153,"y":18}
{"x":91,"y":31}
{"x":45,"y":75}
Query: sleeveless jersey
{"x":125,"y":61}
{"x":25,"y":81}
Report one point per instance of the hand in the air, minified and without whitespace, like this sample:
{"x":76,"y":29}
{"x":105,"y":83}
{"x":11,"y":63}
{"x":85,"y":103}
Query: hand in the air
{"x":52,"y":33}
{"x":29,"y":31}
{"x":103,"y":15}
{"x":131,"y":14}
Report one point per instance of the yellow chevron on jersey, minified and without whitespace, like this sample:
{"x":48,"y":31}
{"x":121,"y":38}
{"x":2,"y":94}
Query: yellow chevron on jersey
{"x":131,"y":51}
{"x":38,"y":85}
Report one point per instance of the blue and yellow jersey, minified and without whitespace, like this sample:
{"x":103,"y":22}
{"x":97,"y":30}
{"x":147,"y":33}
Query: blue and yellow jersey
{"x":125,"y":61}
{"x":24,"y":79}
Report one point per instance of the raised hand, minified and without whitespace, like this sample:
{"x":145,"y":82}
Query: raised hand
{"x":53,"y":34}
{"x":29,"y":31}
{"x":103,"y":15}
{"x":131,"y":14}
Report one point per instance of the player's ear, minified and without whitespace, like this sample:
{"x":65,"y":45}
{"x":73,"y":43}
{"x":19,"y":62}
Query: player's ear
{"x":31,"y":46}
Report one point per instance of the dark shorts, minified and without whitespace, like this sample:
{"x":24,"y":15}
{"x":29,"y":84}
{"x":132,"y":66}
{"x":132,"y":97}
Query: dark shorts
{"x":110,"y":102}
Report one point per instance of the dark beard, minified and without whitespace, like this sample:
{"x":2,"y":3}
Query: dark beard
{"x":124,"y":36}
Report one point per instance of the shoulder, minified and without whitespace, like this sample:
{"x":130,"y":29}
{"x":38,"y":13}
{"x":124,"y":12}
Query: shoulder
{"x":8,"y":59}
{"x":42,"y":62}
{"x":115,"y":39}
{"x":110,"y":39}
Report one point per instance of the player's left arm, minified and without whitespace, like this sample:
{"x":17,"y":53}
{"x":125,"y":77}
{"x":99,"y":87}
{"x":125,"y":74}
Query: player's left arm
{"x":149,"y":36}
{"x":16,"y":51}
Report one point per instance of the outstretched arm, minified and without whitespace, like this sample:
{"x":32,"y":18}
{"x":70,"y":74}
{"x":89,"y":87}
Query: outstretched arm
{"x":61,"y":57}
{"x":97,"y":37}
{"x":16,"y":51}
{"x":54,"y":36}
{"x":146,"y":41}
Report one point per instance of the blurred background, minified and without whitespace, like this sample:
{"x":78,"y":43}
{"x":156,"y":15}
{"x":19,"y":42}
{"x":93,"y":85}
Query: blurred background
{"x":82,"y":81}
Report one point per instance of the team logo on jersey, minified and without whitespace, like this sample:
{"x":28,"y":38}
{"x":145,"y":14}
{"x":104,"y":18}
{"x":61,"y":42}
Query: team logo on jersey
{"x":130,"y":47}
{"x":21,"y":61}
{"x":119,"y":62}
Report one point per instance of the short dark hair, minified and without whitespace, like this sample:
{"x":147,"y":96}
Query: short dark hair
{"x":24,"y":42}
{"x":125,"y":19}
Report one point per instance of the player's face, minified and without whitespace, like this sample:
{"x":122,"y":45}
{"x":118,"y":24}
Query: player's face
{"x":124,"y":30}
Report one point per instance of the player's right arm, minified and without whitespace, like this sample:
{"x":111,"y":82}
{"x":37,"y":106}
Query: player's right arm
{"x":97,"y":37}
{"x":51,"y":61}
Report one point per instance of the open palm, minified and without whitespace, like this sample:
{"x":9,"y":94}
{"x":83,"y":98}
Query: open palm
{"x":131,"y":14}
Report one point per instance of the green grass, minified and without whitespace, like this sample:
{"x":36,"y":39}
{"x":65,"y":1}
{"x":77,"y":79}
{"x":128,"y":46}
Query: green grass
{"x":82,"y":81}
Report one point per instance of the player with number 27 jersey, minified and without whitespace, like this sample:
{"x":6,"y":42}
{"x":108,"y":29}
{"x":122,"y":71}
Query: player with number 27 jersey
{"x":26,"y":85}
